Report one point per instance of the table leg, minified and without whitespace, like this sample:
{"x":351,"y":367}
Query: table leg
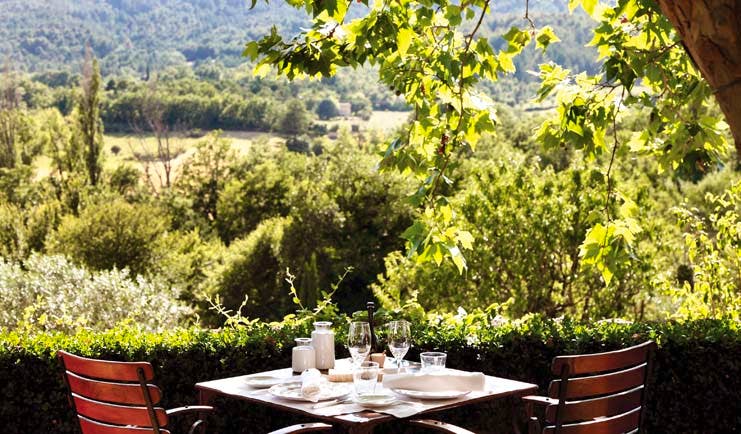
{"x":204,"y":398}
{"x":515,"y":407}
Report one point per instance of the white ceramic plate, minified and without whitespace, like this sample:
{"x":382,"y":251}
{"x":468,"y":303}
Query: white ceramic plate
{"x":375,"y":401}
{"x":327,"y":391}
{"x":265,"y":381}
{"x":443,"y":394}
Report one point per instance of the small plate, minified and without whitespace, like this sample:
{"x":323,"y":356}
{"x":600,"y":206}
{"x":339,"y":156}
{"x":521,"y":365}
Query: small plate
{"x":375,"y":401}
{"x":265,"y":381}
{"x":328,"y":391}
{"x":443,"y":394}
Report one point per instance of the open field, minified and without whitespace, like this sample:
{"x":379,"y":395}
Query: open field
{"x":383,"y":121}
{"x":140,"y":150}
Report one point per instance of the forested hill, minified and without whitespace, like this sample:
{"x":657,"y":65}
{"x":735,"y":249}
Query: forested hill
{"x":131,"y":35}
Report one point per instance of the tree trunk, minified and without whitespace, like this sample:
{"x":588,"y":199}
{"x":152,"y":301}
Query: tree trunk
{"x":711,"y":32}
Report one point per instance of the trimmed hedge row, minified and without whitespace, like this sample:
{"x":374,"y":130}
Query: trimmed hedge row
{"x":695,"y":386}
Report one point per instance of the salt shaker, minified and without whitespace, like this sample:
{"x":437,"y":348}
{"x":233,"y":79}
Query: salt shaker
{"x":303,"y":355}
{"x":322,"y":339}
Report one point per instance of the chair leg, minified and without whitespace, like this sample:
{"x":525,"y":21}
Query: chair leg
{"x":304,"y":427}
{"x":438,"y":426}
{"x":198,"y":425}
{"x":534,"y":426}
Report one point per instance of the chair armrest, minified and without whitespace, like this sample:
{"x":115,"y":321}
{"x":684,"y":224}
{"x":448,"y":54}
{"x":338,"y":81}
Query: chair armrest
{"x":304,"y":427}
{"x":189,"y":409}
{"x":438,"y":426}
{"x":539,"y":400}
{"x":532,"y":400}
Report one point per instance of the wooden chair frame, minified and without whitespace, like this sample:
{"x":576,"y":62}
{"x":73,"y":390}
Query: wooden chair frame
{"x":602,"y":393}
{"x":116,"y":397}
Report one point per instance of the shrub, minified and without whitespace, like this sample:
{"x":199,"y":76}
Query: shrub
{"x":50,"y":293}
{"x":113,"y":234}
{"x":528,"y":224}
{"x":254,"y":267}
{"x":684,"y":395}
{"x":327,"y":109}
{"x":260,"y":193}
{"x":25,"y":230}
{"x":13,"y":243}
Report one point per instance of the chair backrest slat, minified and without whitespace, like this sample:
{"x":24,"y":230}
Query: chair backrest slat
{"x":592,"y":363}
{"x":119,"y":393}
{"x":92,"y":427}
{"x":595,"y":385}
{"x":106,"y":370}
{"x":598,"y":407}
{"x":602,"y":393}
{"x":619,"y":424}
{"x":117,"y":414}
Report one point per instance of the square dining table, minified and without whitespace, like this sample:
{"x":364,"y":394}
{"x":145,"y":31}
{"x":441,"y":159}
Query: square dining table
{"x":350,"y":417}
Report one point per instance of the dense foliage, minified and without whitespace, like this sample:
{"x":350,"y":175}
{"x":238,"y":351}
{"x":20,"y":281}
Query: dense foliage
{"x":684,"y":395}
{"x":135,"y":38}
{"x":50,"y":293}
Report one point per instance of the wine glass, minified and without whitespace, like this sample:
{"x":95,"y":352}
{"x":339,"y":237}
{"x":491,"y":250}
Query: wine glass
{"x":359,"y":341}
{"x":399,"y":339}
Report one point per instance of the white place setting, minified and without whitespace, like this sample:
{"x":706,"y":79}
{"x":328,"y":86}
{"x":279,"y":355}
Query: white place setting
{"x":366,"y":389}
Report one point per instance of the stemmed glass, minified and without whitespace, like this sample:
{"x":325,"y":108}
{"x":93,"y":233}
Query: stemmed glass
{"x":399,"y":339}
{"x":359,"y":341}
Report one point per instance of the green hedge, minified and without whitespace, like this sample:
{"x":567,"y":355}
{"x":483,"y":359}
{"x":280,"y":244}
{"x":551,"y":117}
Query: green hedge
{"x":694,"y":387}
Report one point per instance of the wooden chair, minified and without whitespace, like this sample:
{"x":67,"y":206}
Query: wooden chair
{"x":602,"y":393}
{"x":117,"y":398}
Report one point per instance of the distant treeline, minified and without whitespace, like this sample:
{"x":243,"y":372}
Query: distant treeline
{"x":210,"y":97}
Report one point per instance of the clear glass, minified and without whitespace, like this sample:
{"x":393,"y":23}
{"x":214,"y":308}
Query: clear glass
{"x":365,"y":378}
{"x":359,"y":341}
{"x":399,"y":340}
{"x":432,"y":361}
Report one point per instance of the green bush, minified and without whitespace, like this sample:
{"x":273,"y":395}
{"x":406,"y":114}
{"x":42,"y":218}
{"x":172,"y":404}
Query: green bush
{"x":254,"y":267}
{"x":342,"y":214}
{"x":113,"y":234}
{"x":528,"y":223}
{"x":258,"y":194}
{"x":50,"y":293}
{"x":685,"y":396}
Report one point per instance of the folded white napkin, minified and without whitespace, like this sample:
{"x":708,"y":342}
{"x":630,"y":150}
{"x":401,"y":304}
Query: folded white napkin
{"x":436,"y":381}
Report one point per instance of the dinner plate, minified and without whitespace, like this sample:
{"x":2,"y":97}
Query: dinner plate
{"x":265,"y":381}
{"x":442,"y":394}
{"x":375,"y":401}
{"x":327,"y":391}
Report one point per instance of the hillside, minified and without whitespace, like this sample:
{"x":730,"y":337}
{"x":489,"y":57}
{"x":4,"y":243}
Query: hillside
{"x":131,"y":35}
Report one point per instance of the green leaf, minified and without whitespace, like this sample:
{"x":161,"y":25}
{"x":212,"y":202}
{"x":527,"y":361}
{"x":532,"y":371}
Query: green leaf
{"x":251,"y":50}
{"x":465,"y":239}
{"x":545,"y":37}
{"x":589,"y":6}
{"x":404,"y":40}
{"x":458,"y":259}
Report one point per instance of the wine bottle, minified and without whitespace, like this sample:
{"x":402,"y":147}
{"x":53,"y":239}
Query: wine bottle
{"x":374,"y":343}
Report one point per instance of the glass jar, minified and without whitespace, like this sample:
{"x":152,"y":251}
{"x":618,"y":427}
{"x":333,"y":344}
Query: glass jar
{"x":303,"y":355}
{"x":322,"y":339}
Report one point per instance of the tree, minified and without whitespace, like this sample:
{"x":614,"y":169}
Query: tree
{"x":711,"y":34}
{"x":88,"y":117}
{"x":13,"y":119}
{"x":205,"y":173}
{"x":430,"y":52}
{"x":153,"y":114}
{"x":296,"y":119}
{"x":327,"y":109}
{"x":65,"y":151}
